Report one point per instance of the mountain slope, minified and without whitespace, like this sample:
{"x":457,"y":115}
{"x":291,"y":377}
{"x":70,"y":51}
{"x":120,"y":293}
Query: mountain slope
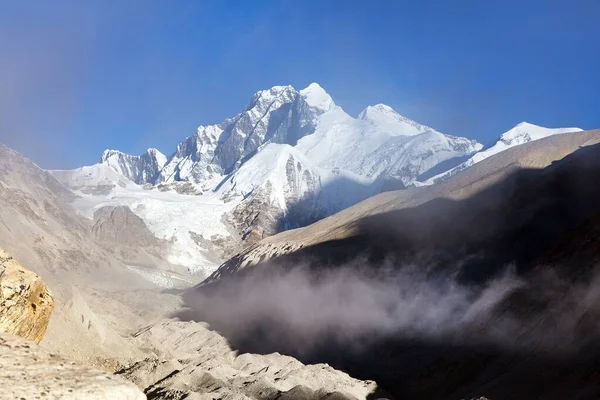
{"x":40,"y":229}
{"x":186,"y":223}
{"x":281,"y":188}
{"x":99,"y":270}
{"x":380,"y":143}
{"x":534,"y":155}
{"x":97,"y":179}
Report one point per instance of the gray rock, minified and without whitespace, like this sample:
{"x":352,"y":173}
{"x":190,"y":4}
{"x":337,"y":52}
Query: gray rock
{"x":189,"y":359}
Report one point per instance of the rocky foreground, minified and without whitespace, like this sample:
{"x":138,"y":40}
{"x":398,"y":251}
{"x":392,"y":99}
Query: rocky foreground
{"x":189,"y":361}
{"x":184,"y":359}
{"x":29,"y":372}
{"x":26,"y":370}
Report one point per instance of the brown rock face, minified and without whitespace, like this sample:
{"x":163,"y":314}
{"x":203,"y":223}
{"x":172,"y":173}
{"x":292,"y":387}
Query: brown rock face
{"x":25,"y":301}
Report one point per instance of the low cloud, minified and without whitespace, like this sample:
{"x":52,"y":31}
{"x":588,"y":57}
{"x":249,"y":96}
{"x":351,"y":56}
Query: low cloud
{"x":297,"y":309}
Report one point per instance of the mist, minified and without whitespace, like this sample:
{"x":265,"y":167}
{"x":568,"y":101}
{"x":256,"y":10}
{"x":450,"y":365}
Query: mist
{"x":298,"y":309}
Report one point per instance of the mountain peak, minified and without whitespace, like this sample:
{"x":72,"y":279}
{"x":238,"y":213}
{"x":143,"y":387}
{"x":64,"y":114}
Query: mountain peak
{"x":375,"y":112}
{"x":525,"y":132}
{"x":152,"y":152}
{"x":108,"y":153}
{"x":525,"y":124}
{"x":314,"y":86}
{"x":268,"y":96}
{"x":274,"y":91}
{"x":317,"y":97}
{"x":379,"y":108}
{"x":158,"y":156}
{"x":279,"y":89}
{"x":386,"y":117}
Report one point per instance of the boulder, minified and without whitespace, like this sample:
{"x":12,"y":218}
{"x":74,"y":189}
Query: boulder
{"x":25,"y":301}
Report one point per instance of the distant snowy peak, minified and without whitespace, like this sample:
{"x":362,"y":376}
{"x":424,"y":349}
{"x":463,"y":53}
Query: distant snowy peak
{"x":156,"y":155}
{"x":518,"y":135}
{"x":139,"y":169}
{"x":151,"y":152}
{"x":526,"y":132}
{"x":272,"y":98}
{"x":316,"y":97}
{"x":387,"y":118}
{"x":380,"y":143}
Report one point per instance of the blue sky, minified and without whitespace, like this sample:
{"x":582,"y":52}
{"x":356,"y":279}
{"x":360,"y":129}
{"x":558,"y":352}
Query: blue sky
{"x":78,"y":77}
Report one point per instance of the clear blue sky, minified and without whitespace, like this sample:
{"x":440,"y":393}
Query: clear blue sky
{"x":77,"y":77}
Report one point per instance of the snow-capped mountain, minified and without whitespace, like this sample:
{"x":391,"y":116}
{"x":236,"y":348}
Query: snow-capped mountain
{"x":380,"y":141}
{"x":291,"y":157}
{"x":520,"y":134}
{"x":99,"y":178}
{"x":290,"y":147}
{"x":387,"y":119}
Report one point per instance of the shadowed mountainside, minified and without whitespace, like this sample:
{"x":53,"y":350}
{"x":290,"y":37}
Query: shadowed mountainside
{"x":537,"y":335}
{"x":515,"y":221}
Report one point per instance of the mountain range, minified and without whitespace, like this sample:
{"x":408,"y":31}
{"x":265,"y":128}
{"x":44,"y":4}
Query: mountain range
{"x":289,"y":158}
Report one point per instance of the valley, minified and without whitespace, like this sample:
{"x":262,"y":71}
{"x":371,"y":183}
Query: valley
{"x":292,"y":252}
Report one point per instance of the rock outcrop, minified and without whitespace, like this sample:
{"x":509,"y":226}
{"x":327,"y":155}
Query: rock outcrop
{"x":25,"y":301}
{"x":29,"y":372}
